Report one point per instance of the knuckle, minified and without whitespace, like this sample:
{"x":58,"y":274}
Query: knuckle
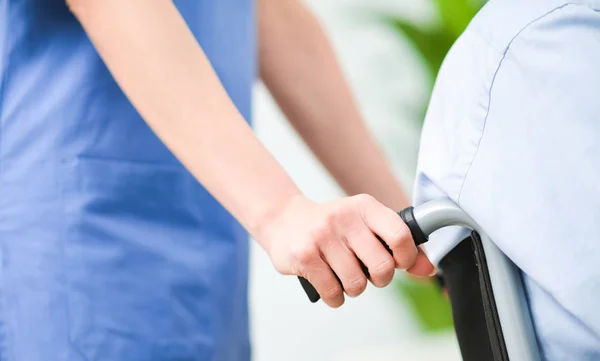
{"x":331,"y":219}
{"x":383,"y":270}
{"x":407,"y":259}
{"x":338,"y":217}
{"x":356,"y":286}
{"x":303,"y":254}
{"x":332,"y":292}
{"x":321,"y":230}
{"x":364,"y":198}
{"x":400,"y":237}
{"x":321,"y":234}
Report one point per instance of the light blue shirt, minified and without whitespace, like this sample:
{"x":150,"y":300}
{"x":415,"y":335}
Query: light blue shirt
{"x":512,"y":134}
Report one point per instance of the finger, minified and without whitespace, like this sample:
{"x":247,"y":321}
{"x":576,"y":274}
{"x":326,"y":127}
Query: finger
{"x":345,"y":265}
{"x":320,"y":275}
{"x":422,"y":267}
{"x":372,"y":253}
{"x":389,"y":226}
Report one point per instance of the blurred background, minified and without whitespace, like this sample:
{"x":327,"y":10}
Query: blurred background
{"x":390,"y":51}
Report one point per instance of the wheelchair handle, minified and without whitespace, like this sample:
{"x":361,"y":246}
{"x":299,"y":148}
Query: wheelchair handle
{"x":505,"y":276}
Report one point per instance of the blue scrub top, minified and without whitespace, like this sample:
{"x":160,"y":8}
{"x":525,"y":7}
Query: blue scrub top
{"x":109,"y":248}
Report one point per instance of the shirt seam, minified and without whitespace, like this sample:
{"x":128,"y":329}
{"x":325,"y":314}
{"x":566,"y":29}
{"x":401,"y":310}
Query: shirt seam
{"x":487,"y":111}
{"x":3,"y":72}
{"x":5,"y":336}
{"x":488,"y":42}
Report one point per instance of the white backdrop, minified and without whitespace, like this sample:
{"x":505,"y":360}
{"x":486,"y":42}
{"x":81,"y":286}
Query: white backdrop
{"x":387,"y":81}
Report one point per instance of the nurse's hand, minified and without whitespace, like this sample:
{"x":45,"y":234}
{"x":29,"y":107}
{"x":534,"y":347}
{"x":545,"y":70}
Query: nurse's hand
{"x":319,"y":241}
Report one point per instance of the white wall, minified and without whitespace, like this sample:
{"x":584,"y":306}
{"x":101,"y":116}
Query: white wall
{"x":387,"y":82}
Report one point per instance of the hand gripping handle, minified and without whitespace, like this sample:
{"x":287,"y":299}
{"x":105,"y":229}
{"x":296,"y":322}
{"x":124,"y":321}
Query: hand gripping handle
{"x":418,"y":236}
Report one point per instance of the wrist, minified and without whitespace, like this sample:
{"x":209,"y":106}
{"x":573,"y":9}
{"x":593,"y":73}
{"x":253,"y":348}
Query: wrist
{"x":269,"y":213}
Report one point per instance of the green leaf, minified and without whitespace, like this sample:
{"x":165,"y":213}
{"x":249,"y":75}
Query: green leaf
{"x":430,"y":308}
{"x":431,"y":44}
{"x":456,"y":14}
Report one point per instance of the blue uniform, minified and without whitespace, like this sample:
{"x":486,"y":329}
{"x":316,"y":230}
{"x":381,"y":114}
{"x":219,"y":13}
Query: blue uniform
{"x":109,"y":248}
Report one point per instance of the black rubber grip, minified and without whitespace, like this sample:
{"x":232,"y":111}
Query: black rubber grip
{"x":408,"y":216}
{"x":418,"y":236}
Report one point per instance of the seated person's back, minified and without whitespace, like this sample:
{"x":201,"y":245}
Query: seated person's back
{"x":512,"y":136}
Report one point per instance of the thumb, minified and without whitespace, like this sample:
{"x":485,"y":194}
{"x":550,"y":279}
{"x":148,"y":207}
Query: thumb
{"x":422,"y":267}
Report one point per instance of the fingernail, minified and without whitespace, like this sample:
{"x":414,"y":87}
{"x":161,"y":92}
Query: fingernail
{"x":433,"y":273}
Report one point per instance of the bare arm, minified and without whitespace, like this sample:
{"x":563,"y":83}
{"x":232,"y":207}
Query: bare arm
{"x":298,"y":66}
{"x":163,"y":71}
{"x":157,"y":62}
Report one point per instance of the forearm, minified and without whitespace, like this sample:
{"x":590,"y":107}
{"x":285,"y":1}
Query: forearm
{"x":157,"y":62}
{"x":298,"y":66}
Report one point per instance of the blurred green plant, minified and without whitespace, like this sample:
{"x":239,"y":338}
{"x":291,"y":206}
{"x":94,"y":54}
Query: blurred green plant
{"x":430,"y":307}
{"x":431,"y":43}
